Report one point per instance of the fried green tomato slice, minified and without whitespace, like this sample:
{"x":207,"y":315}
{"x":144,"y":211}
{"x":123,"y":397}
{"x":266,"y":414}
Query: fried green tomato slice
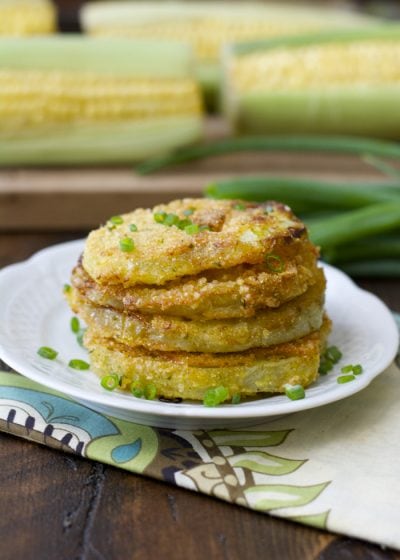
{"x":189,"y":376}
{"x":291,"y":320}
{"x":186,"y":237}
{"x":215,"y":294}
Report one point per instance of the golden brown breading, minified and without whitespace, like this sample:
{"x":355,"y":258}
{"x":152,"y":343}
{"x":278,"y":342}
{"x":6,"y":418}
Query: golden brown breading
{"x":214,"y":294}
{"x":292,"y":320}
{"x":243,"y":234}
{"x":185,"y":375}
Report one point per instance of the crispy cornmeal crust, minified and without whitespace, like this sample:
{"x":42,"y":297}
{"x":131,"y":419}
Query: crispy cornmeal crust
{"x":238,"y":303}
{"x":291,"y":320}
{"x":214,"y":294}
{"x":188,"y":376}
{"x":162,"y":254}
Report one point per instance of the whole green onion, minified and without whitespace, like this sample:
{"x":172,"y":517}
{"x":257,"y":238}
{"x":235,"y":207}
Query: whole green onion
{"x":292,"y":143}
{"x":379,"y":247}
{"x":305,"y":195}
{"x":354,"y":225}
{"x":385,"y":268}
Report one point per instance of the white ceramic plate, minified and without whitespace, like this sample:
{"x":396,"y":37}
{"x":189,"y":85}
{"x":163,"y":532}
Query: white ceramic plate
{"x":33,"y":314}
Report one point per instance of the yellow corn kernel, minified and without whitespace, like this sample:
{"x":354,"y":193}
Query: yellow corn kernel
{"x":27,"y":17}
{"x":33,"y":98}
{"x":365,"y":63}
{"x":67,"y":100}
{"x":207,"y":26}
{"x":341,"y":82}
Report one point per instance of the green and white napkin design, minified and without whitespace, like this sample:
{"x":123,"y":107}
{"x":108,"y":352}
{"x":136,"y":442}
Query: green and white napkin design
{"x":336,"y":467}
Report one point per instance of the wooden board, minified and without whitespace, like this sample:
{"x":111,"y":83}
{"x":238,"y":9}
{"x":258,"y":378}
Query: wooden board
{"x":81,"y":198}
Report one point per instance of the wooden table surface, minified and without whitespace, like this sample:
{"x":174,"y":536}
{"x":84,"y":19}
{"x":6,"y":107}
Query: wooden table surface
{"x":56,"y":506}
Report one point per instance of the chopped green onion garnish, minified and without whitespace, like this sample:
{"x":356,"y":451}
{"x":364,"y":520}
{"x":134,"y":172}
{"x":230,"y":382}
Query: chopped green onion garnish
{"x":345,"y":378}
{"x":79,"y":336}
{"x":75,"y":327}
{"x":325,"y":366}
{"x":150,"y":392}
{"x":333,"y":353}
{"x":239,"y":206}
{"x":274,"y":263}
{"x":236,"y":398}
{"x":355,"y":370}
{"x":66,"y":288}
{"x":47,"y":352}
{"x":110,"y":382}
{"x":294,"y":392}
{"x":189,"y":211}
{"x":171,"y":220}
{"x":133,"y":227}
{"x":192,"y":229}
{"x":347,"y":369}
{"x":215,"y":396}
{"x":116,"y":220}
{"x":78,"y":364}
{"x":126,"y":244}
{"x":204,"y":228}
{"x":183,"y":223}
{"x":159,"y":217}
{"x":136,"y":390}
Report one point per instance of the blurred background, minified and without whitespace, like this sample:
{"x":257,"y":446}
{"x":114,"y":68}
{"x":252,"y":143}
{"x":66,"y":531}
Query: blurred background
{"x":110,"y":105}
{"x":69,"y":20}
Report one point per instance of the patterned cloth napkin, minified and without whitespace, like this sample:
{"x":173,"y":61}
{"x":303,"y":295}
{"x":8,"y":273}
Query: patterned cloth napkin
{"x":335,"y":467}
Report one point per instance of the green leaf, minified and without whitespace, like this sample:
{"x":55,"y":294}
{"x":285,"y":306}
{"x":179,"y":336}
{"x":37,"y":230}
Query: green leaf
{"x":258,"y":461}
{"x":318,"y":520}
{"x":249,"y":438}
{"x":274,"y":496}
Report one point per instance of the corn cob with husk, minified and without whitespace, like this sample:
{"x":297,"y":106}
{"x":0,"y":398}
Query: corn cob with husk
{"x":330,"y":83}
{"x":206,"y":26}
{"x":27,"y":17}
{"x":76,"y":100}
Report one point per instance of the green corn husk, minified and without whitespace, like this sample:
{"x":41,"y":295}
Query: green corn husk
{"x":297,"y":90}
{"x":207,"y":26}
{"x":78,"y":100}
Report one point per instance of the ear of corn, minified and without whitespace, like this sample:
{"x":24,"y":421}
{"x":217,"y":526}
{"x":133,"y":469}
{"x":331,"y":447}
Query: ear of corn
{"x":27,"y":17}
{"x":337,"y":82}
{"x":75,"y":100}
{"x":207,"y":26}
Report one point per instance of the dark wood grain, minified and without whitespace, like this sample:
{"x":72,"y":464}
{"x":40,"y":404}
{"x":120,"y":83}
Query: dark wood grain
{"x":57,"y":506}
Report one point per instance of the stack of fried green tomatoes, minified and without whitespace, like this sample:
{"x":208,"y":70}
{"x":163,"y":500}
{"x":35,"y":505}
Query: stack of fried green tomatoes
{"x":212,"y":300}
